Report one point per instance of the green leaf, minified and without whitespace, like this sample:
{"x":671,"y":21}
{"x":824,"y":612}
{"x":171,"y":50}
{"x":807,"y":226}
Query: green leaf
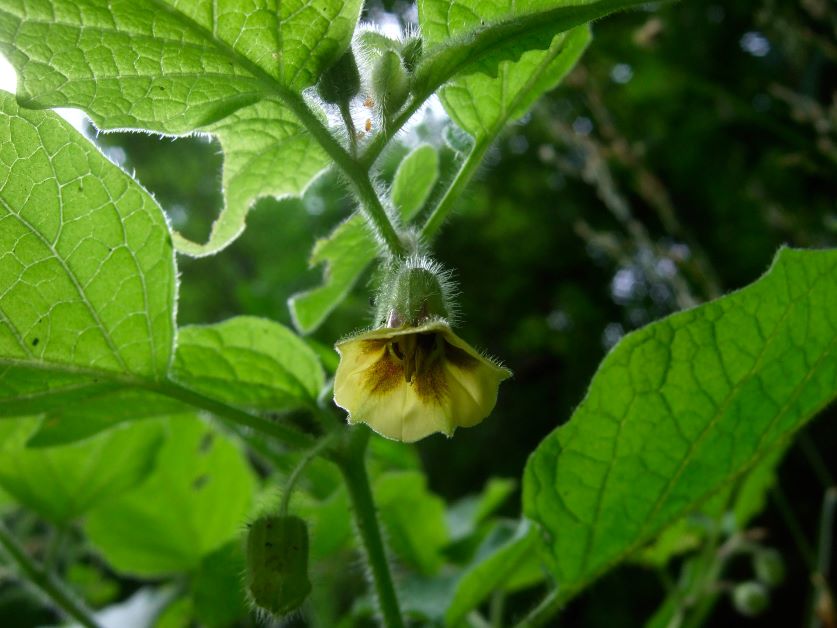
{"x":469,"y":512}
{"x":267,"y":152}
{"x":679,"y":410}
{"x":87,"y":277}
{"x":414,"y":180}
{"x":70,"y":422}
{"x":414,"y":519}
{"x":346,"y":253}
{"x":350,"y":248}
{"x":176,"y":67}
{"x":63,"y":483}
{"x":463,"y":37}
{"x":506,"y":551}
{"x":195,"y":501}
{"x":217,"y":587}
{"x":482,"y":105}
{"x":250,"y":362}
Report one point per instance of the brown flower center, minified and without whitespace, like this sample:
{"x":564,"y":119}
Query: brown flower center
{"x":417,"y":353}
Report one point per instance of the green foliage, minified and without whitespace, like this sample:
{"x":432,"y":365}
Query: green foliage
{"x":195,"y":501}
{"x":64,"y":483}
{"x":250,"y":362}
{"x":681,"y":409}
{"x":350,"y":248}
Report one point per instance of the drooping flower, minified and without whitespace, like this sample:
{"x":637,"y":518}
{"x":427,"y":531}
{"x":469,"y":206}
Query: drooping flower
{"x":415,"y":376}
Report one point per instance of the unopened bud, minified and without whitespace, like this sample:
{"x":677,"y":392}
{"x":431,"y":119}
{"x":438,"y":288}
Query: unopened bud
{"x":390,"y":82}
{"x":769,"y":566}
{"x":750,"y":598}
{"x":277,"y":564}
{"x":341,"y":82}
{"x":415,"y":291}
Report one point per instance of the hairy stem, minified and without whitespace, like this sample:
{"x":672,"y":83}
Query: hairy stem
{"x":463,"y":177}
{"x":352,"y":463}
{"x":46,"y":583}
{"x":357,"y":174}
{"x":293,"y":478}
{"x":282,"y":433}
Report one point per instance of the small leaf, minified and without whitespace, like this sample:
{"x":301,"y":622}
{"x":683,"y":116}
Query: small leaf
{"x":217,"y":591}
{"x":682,"y":408}
{"x":414,"y":519}
{"x":195,"y":501}
{"x":461,"y":40}
{"x":505,"y":552}
{"x":414,"y":180}
{"x":248,"y":361}
{"x":481,"y":103}
{"x":346,"y":253}
{"x":87,"y":278}
{"x":63,"y":483}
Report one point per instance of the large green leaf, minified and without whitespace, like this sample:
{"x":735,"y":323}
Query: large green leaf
{"x":87,"y":278}
{"x":350,"y":248}
{"x":195,"y":501}
{"x":63,"y":483}
{"x":679,"y":410}
{"x":175,"y":67}
{"x":250,"y":362}
{"x":482,"y":103}
{"x":475,"y":36}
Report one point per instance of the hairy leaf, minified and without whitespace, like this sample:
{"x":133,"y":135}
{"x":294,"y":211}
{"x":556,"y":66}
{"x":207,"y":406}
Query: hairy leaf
{"x":250,"y":362}
{"x":87,"y":277}
{"x":193,"y":503}
{"x":682,"y":408}
{"x":177,"y":67}
{"x":479,"y":35}
{"x":63,"y":483}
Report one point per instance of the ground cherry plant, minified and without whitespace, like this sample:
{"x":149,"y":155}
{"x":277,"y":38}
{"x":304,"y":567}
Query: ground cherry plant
{"x":223,"y":467}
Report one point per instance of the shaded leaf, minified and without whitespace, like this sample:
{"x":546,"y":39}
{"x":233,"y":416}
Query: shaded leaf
{"x":194,"y":502}
{"x":414,"y":180}
{"x":63,"y":483}
{"x":682,"y":408}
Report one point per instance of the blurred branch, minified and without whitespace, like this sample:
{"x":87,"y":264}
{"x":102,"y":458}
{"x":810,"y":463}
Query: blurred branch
{"x":44,"y":581}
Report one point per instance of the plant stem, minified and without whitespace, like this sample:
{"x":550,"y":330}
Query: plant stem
{"x":463,"y":177}
{"x":357,"y":174}
{"x":545,"y":611}
{"x":281,"y":432}
{"x":352,"y":463}
{"x":307,"y":457}
{"x":45,"y":581}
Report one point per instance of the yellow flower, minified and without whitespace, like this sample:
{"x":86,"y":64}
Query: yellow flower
{"x":412,"y":381}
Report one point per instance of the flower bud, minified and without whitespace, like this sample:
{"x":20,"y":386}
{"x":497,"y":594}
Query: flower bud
{"x":390,"y":82}
{"x":277,"y":564}
{"x":341,"y":82}
{"x":769,"y":566}
{"x":415,"y":291}
{"x":750,"y":598}
{"x":411,"y":53}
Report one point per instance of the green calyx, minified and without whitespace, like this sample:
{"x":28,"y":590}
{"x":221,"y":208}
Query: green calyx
{"x":277,"y":564}
{"x":341,"y":82}
{"x":414,"y":291}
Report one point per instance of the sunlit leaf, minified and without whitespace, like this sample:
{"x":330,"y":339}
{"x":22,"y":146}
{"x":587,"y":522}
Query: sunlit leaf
{"x":87,"y":274}
{"x":248,"y":361}
{"x":682,"y":408}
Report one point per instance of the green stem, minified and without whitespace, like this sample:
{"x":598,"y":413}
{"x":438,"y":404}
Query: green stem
{"x":463,"y":177}
{"x":379,"y":142}
{"x":281,"y":432}
{"x":357,"y":174}
{"x":352,"y":463}
{"x":544,"y":612}
{"x":293,"y":478}
{"x":45,"y":581}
